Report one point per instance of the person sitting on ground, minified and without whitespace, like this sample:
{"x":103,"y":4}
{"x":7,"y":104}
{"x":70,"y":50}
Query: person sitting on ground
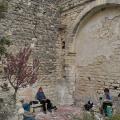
{"x":107,"y":95}
{"x":25,"y":105}
{"x":88,"y":106}
{"x":46,"y":103}
{"x":27,"y":115}
{"x":106,"y":101}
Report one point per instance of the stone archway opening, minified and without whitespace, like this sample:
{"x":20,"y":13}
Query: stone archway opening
{"x":97,"y":48}
{"x":92,"y":52}
{"x":92,"y":55}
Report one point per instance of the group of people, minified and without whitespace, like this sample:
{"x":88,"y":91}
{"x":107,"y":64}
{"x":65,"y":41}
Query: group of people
{"x":105,"y":103}
{"x":45,"y":104}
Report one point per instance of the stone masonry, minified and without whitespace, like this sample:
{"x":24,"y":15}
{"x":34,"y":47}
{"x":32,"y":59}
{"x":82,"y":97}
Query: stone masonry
{"x":77,"y":42}
{"x":35,"y":23}
{"x":91,"y":36}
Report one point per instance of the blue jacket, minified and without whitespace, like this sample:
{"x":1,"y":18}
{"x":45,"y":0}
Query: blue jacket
{"x":40,"y":96}
{"x":26,"y":106}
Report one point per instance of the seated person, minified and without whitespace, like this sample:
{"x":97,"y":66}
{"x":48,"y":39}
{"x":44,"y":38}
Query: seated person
{"x":106,"y":101}
{"x":27,"y":115}
{"x":25,"y":105}
{"x":46,"y":103}
{"x":88,"y":106}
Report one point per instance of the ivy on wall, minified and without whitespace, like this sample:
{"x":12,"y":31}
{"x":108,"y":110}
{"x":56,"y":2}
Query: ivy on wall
{"x":3,"y":40}
{"x":3,"y":8}
{"x":3,"y":43}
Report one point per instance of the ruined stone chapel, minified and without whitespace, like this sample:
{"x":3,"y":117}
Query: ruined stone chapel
{"x":77,"y":42}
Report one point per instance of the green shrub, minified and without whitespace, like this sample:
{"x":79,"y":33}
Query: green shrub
{"x":115,"y":117}
{"x":76,"y":118}
{"x":60,"y":9}
{"x":4,"y":42}
{"x":3,"y":8}
{"x":86,"y":116}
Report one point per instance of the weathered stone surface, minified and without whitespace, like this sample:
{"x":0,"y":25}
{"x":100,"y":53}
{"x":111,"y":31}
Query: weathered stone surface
{"x":34,"y":22}
{"x":92,"y":47}
{"x":76,"y":61}
{"x":7,"y":106}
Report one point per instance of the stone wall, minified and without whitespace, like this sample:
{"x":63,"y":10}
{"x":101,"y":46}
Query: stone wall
{"x":97,"y":54}
{"x":7,"y":106}
{"x":92,"y":48}
{"x":69,"y":9}
{"x":66,"y":5}
{"x":35,"y":23}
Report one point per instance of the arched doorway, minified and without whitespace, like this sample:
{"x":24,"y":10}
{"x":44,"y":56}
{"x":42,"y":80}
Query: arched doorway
{"x":96,"y":48}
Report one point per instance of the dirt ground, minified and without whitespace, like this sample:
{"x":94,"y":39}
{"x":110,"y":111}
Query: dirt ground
{"x":62,"y":113}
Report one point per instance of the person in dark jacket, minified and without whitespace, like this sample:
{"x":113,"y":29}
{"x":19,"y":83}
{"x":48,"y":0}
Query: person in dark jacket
{"x":46,"y":103}
{"x":88,"y":106}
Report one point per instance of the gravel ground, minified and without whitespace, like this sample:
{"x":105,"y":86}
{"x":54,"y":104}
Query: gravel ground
{"x":62,"y":113}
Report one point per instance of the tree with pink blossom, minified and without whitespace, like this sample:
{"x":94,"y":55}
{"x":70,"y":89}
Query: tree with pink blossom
{"x":18,"y":70}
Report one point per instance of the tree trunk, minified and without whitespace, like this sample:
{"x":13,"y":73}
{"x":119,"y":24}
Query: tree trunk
{"x":15,"y":94}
